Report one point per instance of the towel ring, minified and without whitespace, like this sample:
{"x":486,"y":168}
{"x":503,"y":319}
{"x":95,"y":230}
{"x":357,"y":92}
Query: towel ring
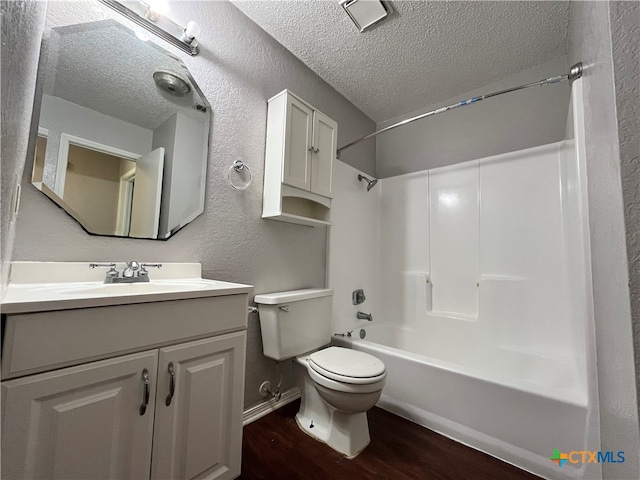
{"x":239,"y":175}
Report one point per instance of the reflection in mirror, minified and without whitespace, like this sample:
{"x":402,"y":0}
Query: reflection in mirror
{"x":123,"y":134}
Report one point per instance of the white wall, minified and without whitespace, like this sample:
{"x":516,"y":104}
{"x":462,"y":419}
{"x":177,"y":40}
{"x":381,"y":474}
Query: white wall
{"x":238,"y":69}
{"x":189,"y":174}
{"x":165,"y":136}
{"x":354,"y":252}
{"x":590,"y":42}
{"x":184,"y":140}
{"x":503,"y":124}
{"x":22,"y":23}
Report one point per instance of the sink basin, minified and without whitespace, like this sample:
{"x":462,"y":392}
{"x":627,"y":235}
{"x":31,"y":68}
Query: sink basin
{"x":160,"y":286}
{"x":47,"y":286}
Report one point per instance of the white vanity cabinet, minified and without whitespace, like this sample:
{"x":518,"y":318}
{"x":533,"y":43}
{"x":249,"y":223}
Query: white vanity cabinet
{"x":199,"y":433}
{"x":75,"y":383}
{"x":80,"y":422}
{"x":300,"y":150}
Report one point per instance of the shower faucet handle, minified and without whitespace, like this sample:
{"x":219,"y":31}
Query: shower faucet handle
{"x":357,"y":297}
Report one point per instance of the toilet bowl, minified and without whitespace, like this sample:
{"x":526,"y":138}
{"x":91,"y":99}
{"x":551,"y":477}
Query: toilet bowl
{"x":338,"y":387}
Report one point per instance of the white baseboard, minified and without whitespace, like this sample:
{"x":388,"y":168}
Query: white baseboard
{"x":258,"y":411}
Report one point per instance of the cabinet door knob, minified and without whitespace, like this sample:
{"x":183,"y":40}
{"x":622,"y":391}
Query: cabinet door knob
{"x":172,"y":383}
{"x":314,"y":150}
{"x":145,"y":393}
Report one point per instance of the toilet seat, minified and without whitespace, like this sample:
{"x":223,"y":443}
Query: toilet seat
{"x":372,"y":386}
{"x":346,"y":366}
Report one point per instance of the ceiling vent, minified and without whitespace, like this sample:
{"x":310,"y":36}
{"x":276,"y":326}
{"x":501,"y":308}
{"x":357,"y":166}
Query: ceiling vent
{"x":366,"y":13}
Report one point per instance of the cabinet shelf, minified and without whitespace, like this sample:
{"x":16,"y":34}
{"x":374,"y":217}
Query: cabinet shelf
{"x":300,"y":220}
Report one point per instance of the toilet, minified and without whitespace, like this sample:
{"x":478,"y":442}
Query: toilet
{"x":338,"y":385}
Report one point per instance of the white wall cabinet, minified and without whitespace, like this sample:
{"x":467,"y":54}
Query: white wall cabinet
{"x":87,"y":420}
{"x":297,"y":135}
{"x":325,"y":144}
{"x":300,"y":152}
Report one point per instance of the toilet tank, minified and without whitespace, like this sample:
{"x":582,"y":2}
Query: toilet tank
{"x":294,"y":322}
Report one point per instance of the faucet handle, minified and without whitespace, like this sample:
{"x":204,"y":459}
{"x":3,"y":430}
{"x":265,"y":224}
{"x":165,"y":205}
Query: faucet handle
{"x":111,"y":273}
{"x":143,"y":270}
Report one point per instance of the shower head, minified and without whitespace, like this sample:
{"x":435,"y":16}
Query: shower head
{"x":370,"y":183}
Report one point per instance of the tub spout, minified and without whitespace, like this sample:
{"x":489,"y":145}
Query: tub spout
{"x":364,"y":316}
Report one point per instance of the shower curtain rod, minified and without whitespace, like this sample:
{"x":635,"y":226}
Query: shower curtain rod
{"x":575,"y":72}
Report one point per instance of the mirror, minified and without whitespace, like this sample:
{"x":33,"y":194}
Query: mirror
{"x":123,"y":132}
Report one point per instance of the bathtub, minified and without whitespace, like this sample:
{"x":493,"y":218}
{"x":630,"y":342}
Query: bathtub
{"x":513,"y":405}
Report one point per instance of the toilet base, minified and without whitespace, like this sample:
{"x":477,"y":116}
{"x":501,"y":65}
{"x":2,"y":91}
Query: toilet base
{"x":347,"y":433}
{"x":348,"y":436}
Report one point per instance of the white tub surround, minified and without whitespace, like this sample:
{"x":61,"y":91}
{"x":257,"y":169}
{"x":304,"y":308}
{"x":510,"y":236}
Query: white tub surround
{"x":485,"y":310}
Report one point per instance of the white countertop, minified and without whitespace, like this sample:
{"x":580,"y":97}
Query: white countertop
{"x":46,"y":286}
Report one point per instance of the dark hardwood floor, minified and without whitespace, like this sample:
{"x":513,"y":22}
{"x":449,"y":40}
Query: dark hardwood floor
{"x":275,"y":448}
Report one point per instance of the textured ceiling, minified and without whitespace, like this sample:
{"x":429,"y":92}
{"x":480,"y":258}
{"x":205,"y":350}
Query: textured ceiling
{"x":103,"y":66}
{"x":425,"y":53}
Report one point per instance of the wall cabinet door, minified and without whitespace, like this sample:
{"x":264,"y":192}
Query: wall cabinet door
{"x":198,"y":428}
{"x":81,"y":422}
{"x":298,"y":133}
{"x":325,"y":143}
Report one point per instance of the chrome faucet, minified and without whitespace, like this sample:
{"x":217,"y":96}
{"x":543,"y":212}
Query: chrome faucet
{"x":134,"y":272}
{"x":131,"y":269}
{"x":364,"y":316}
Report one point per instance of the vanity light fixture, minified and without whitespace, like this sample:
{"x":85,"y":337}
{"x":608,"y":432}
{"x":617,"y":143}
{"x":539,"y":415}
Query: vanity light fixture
{"x":366,"y":13}
{"x":151,"y":17}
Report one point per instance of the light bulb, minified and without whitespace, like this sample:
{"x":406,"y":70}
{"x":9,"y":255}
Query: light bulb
{"x":192,"y":31}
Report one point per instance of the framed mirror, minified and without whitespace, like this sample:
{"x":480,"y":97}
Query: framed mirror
{"x":123,"y":132}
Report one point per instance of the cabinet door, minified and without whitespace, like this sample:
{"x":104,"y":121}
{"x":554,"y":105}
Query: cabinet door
{"x":199,"y":434}
{"x":298,"y":136}
{"x":325,"y":142}
{"x":81,"y":422}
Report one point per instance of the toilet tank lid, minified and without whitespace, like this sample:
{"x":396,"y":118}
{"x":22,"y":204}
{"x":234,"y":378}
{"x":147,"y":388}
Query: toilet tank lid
{"x":292,"y":296}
